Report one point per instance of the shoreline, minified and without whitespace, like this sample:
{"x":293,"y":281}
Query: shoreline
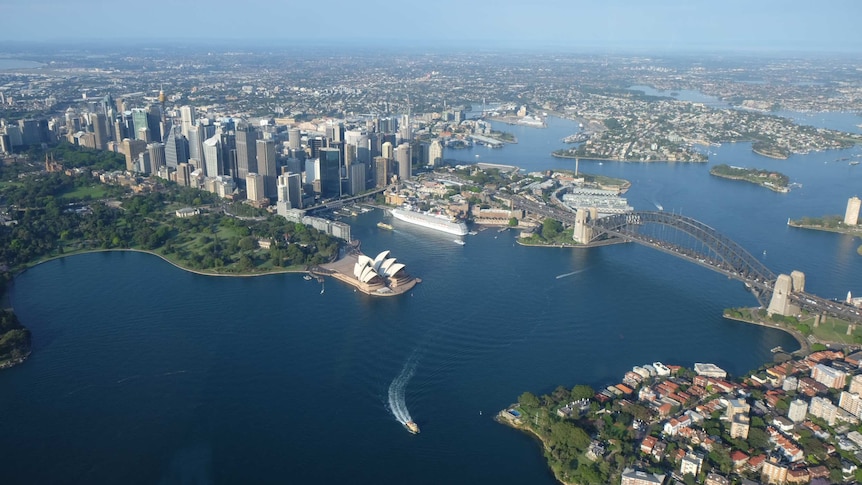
{"x":848,"y":231}
{"x":600,"y":159}
{"x":163,"y":258}
{"x":804,"y":345}
{"x":770,"y":155}
{"x":780,"y":190}
{"x":526,"y":429}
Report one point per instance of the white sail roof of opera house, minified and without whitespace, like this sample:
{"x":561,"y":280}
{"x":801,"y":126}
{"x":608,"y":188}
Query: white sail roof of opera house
{"x":366,"y":269}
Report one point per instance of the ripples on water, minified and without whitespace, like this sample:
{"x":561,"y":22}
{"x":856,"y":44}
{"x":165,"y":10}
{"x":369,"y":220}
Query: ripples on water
{"x":247,"y":379}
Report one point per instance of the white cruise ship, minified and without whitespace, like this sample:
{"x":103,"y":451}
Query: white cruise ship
{"x":431,"y":221}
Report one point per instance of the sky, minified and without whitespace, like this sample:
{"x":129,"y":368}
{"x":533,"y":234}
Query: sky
{"x":659,"y":25}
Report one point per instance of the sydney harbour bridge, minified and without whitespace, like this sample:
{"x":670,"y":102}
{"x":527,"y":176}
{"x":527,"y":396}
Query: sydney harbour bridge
{"x":698,"y":243}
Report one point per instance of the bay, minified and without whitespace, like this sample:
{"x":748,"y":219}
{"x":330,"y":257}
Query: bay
{"x":144,"y":373}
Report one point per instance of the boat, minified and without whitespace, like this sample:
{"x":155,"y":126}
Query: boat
{"x":431,"y":221}
{"x":383,"y":225}
{"x":854,"y":162}
{"x":412,"y":427}
{"x":458,"y":241}
{"x":307,"y":277}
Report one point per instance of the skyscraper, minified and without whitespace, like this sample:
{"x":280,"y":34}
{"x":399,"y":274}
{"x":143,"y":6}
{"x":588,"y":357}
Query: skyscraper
{"x":195,"y":143}
{"x":187,"y":114}
{"x":330,"y":172}
{"x":290,"y":190}
{"x":387,"y":151}
{"x":98,"y":121}
{"x":356,"y":177}
{"x":435,"y":153}
{"x":246,"y":150}
{"x":383,"y":170}
{"x":403,"y":155}
{"x":212,"y":156}
{"x":157,"y":156}
{"x":254,"y":186}
{"x":176,"y":150}
{"x":266,"y":165}
{"x":139,"y":121}
{"x":132,"y":148}
{"x":294,"y":139}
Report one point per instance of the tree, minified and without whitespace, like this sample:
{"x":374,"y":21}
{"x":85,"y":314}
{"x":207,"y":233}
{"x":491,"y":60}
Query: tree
{"x":513,"y":222}
{"x":528,"y":400}
{"x":550,"y":228}
{"x":582,"y":392}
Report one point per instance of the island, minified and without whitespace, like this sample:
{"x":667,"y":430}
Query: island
{"x":796,"y":420}
{"x":775,"y":181}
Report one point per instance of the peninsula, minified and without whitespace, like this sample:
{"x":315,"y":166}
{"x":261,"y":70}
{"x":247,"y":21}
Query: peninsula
{"x":775,"y":181}
{"x":776,"y":423}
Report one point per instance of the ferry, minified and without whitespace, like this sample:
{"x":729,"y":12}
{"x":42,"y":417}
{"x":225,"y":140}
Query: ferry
{"x":412,"y":427}
{"x":383,"y":225}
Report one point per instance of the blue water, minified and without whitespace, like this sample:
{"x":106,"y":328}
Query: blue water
{"x":18,"y":64}
{"x":143,"y":373}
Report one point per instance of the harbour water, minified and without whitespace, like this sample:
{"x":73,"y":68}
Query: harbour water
{"x":143,"y":373}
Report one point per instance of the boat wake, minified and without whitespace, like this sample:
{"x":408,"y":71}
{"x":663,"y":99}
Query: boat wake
{"x":397,"y":402}
{"x":565,"y":275}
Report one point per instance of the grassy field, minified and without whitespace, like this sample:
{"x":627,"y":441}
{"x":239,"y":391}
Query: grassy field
{"x":92,"y":192}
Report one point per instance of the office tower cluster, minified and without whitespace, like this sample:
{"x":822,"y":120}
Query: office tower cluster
{"x":267,"y":162}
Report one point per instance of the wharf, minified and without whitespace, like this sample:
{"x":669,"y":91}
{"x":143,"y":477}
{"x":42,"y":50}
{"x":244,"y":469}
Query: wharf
{"x":342,"y":270}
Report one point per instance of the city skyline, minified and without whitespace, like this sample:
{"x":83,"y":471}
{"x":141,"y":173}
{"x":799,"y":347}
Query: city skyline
{"x":666,"y":25}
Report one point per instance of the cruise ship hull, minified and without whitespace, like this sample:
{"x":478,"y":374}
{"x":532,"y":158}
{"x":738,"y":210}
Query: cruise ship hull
{"x":430,"y":221}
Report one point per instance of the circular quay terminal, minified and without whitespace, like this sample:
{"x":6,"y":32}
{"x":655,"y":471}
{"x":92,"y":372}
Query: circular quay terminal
{"x":636,"y":225}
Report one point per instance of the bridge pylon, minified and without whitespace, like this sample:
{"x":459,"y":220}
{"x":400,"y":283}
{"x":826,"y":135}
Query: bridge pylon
{"x":582,"y":233}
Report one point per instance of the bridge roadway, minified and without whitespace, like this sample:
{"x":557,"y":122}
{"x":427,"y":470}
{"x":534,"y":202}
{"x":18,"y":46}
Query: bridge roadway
{"x":723,"y":255}
{"x":338,"y":203}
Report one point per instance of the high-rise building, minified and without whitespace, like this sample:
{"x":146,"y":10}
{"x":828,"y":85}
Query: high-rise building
{"x":246,"y":150}
{"x":187,"y":115}
{"x":852,"y":403}
{"x":157,"y":156}
{"x":254,"y":187}
{"x":266,"y":165}
{"x":334,"y":131}
{"x":435,"y":153}
{"x":404,"y":129}
{"x":294,"y":139}
{"x":195,"y":137}
{"x":212,"y":156}
{"x":33,"y":132}
{"x":851,"y":216}
{"x":383,"y":171}
{"x":314,"y":146}
{"x":139,"y":121}
{"x":403,"y":155}
{"x":98,"y":121}
{"x":290,"y":190}
{"x":176,"y":148}
{"x":387,"y":151}
{"x":330,"y":172}
{"x":132,"y":149}
{"x":184,"y":174}
{"x":797,"y":411}
{"x":356,"y":178}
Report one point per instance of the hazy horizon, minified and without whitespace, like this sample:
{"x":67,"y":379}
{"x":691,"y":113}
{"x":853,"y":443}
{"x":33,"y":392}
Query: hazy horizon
{"x":625,"y":25}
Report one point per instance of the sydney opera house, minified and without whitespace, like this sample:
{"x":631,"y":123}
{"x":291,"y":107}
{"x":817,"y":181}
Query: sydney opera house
{"x":381,"y":274}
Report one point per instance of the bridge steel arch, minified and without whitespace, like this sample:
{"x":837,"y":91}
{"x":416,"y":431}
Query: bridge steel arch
{"x":733,"y":260}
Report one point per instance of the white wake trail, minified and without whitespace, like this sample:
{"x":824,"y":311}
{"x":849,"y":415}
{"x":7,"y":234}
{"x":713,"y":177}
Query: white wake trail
{"x":397,"y":403}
